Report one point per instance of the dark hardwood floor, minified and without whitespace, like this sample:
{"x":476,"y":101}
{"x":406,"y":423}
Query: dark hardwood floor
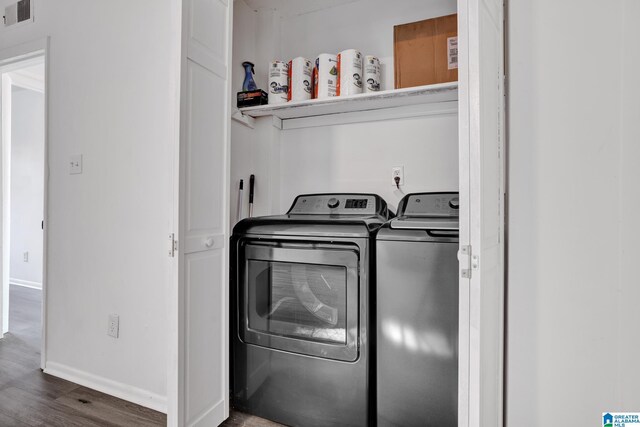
{"x":29,"y":397}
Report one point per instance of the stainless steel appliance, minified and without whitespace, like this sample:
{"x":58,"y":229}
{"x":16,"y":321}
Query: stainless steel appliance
{"x":300,"y":297}
{"x":417,"y":313}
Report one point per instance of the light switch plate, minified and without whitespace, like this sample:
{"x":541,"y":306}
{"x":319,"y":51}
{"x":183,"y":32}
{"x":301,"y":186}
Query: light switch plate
{"x":75,"y":164}
{"x":114,"y":326}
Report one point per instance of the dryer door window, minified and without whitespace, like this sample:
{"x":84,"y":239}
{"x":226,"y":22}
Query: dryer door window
{"x":304,"y":301}
{"x":301,"y":299}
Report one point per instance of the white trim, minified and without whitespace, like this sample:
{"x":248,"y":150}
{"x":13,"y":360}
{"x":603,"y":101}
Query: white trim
{"x":45,"y":213}
{"x":122,"y":391}
{"x":25,"y":283}
{"x":22,"y":53}
{"x":175,"y":336}
{"x":5,"y":174}
{"x":210,"y":416}
{"x":464,"y":163}
{"x":26,"y":82}
{"x":481,"y":56}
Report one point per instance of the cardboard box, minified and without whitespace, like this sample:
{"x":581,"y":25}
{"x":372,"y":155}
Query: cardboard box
{"x":426,"y":52}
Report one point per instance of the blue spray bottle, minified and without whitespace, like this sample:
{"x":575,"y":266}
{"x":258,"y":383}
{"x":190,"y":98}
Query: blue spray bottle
{"x":249,"y":83}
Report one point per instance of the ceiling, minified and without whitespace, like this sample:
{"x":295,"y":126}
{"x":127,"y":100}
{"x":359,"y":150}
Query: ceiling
{"x":296,"y":7}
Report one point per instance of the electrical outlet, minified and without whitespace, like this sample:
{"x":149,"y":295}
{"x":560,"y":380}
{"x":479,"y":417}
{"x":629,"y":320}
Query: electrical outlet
{"x":114,"y":326}
{"x":397,"y":172}
{"x":25,"y":257}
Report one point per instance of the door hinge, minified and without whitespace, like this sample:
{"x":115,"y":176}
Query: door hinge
{"x":173,"y":245}
{"x":468,"y":260}
{"x":464,"y":256}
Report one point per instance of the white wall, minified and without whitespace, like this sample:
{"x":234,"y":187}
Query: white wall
{"x":254,"y":151}
{"x":359,"y":157}
{"x":341,"y":158}
{"x":573,"y":203}
{"x":113,"y":86}
{"x":27,"y":185}
{"x":366,"y":25}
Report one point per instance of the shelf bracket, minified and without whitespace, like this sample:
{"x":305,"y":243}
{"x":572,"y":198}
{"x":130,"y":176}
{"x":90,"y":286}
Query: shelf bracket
{"x":277,"y":122}
{"x":248,"y":121}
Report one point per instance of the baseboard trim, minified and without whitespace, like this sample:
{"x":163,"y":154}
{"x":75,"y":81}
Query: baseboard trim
{"x":129,"y":393}
{"x":25,"y":283}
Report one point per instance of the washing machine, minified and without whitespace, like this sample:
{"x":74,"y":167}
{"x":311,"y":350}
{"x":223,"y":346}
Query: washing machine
{"x":417,"y":313}
{"x":301,"y":321}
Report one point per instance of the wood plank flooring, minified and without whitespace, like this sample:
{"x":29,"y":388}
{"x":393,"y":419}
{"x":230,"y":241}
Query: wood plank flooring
{"x":29,"y":397}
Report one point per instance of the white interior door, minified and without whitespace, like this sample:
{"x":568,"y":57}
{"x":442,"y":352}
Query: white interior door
{"x":481,"y":76}
{"x":203,"y":356}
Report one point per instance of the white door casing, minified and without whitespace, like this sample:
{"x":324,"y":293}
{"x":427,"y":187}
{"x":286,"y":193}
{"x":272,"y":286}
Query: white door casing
{"x":203,"y":357}
{"x":482,"y":164}
{"x":11,"y":59}
{"x":5,"y":127}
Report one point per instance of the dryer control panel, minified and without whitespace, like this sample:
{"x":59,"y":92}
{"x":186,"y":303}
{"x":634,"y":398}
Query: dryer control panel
{"x":430,"y":205}
{"x":335,"y":204}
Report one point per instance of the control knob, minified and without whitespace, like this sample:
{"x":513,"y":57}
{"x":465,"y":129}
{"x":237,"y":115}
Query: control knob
{"x":333,"y":203}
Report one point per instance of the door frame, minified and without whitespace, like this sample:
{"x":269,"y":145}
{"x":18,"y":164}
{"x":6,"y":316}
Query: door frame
{"x":482,"y":221}
{"x":15,"y":57}
{"x":474,"y":356}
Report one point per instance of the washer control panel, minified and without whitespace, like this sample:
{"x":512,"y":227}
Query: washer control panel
{"x":432,"y":205}
{"x":334,"y":204}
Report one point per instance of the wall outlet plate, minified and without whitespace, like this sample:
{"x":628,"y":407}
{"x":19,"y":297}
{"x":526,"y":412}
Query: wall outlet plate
{"x":114,"y":326}
{"x":397,"y":171}
{"x":25,"y":257}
